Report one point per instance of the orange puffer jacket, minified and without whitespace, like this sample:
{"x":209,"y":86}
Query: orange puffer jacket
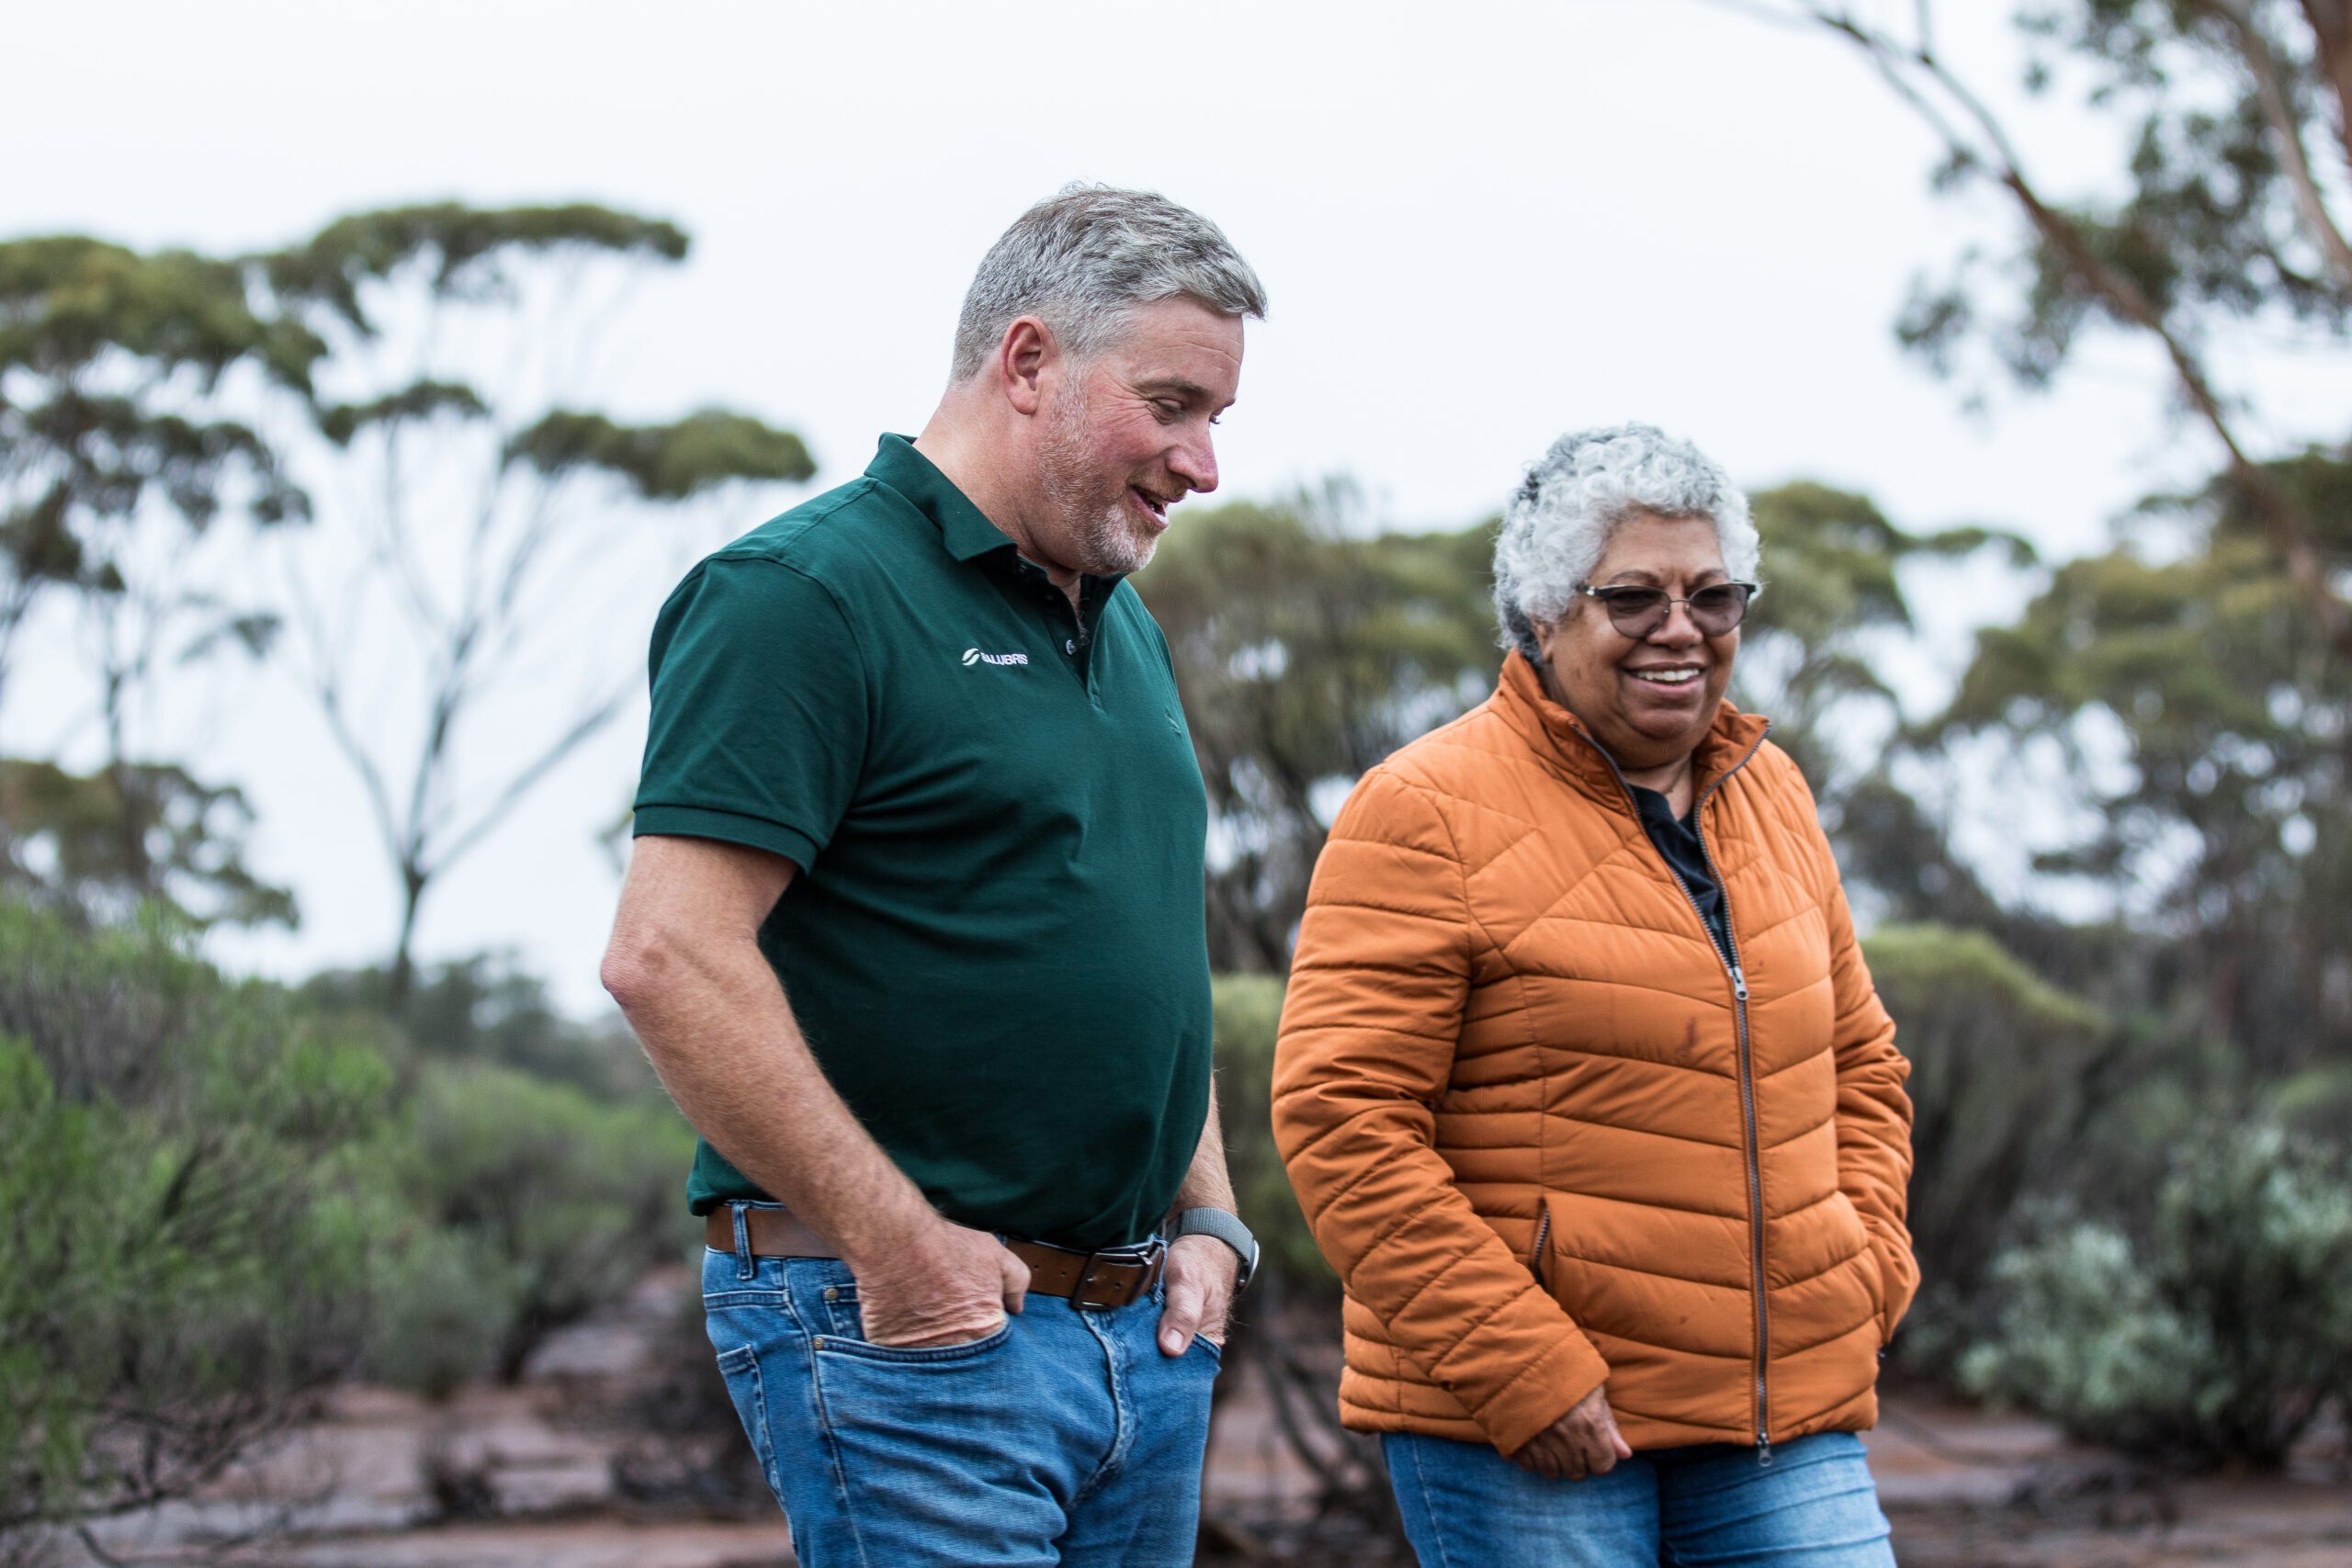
{"x":1549,"y":1136}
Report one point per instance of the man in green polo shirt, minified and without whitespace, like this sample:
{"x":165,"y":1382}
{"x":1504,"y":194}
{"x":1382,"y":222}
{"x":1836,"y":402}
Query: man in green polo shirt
{"x":914,"y":934}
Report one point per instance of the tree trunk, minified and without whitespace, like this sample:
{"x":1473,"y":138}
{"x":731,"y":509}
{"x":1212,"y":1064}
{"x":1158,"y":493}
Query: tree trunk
{"x":401,"y":977}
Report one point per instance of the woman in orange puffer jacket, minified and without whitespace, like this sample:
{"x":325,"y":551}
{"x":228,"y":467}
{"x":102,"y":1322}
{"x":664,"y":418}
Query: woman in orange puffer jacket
{"x":1583,"y":1083}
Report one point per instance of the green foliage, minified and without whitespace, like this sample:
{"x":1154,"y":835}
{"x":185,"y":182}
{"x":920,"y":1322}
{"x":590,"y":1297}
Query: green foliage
{"x":2223,"y":222}
{"x":2232,"y":713}
{"x":1249,"y":1008}
{"x":2218,"y":1335}
{"x":2317,"y":1102}
{"x":1835,"y":563}
{"x":461,"y":253}
{"x":1305,"y":655}
{"x":664,"y":462}
{"x":2217,"y":219}
{"x":441,"y":291}
{"x":124,"y":437}
{"x":97,"y":846}
{"x":2000,"y":1063}
{"x":484,"y":1009}
{"x":176,"y":1272}
{"x":107,"y":361}
{"x":418,"y":402}
{"x":67,"y":301}
{"x":222,"y":1197}
{"x":555,"y":1204}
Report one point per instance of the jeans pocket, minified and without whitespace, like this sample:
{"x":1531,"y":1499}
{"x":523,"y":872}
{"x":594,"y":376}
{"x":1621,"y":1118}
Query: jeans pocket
{"x":827,"y":1297}
{"x":913,"y":1355}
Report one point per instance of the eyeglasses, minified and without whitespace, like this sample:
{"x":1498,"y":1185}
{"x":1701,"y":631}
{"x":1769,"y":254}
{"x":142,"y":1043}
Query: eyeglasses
{"x":1636,"y":610}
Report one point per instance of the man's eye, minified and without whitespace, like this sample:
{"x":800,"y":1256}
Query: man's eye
{"x":1168,"y":410}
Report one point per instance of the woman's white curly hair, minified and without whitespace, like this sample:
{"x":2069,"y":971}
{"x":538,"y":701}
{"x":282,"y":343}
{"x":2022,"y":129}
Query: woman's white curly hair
{"x":1574,"y":496}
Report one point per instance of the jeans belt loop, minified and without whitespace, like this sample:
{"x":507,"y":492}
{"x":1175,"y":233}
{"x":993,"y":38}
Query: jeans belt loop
{"x":746,"y":1265}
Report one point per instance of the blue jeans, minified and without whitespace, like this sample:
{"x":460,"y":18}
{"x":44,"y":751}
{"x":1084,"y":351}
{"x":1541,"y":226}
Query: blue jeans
{"x":1064,"y":1437}
{"x":1466,"y":1506}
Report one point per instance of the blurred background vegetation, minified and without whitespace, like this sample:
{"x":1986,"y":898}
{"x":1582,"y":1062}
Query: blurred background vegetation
{"x":2132,"y":1058}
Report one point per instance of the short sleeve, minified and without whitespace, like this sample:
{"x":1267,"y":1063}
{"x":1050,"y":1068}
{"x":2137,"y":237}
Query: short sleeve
{"x":761,"y":711}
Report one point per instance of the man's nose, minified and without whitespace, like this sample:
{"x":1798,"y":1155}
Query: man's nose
{"x":1195,"y":462}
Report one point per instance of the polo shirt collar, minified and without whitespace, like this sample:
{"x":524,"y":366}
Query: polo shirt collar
{"x":963,"y":527}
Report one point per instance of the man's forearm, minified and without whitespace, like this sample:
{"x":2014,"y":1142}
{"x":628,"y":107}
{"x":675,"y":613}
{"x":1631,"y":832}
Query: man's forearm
{"x":1205,"y":1184}
{"x":719,"y":1032}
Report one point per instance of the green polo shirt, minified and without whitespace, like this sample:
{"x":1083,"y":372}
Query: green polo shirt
{"x":995,"y":943}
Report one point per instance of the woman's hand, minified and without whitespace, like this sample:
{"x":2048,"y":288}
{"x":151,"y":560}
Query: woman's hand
{"x":1583,"y":1443}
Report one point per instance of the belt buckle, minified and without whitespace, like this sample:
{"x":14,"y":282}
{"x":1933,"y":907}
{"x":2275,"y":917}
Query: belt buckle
{"x":1147,"y":1257}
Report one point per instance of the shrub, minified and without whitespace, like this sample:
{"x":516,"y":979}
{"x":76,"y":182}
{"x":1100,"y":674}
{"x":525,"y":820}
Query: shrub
{"x":2318,"y":1100}
{"x":176,"y":1269}
{"x":484,"y":1009}
{"x":215,"y":1199}
{"x":2219,"y":1334}
{"x":2000,"y":1065}
{"x":554,"y":1203}
{"x":1249,"y":1008}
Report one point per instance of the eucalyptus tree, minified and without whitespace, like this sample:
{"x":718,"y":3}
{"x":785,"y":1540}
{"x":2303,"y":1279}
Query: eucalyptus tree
{"x":127,"y":384}
{"x":1810,"y":649}
{"x":1307,"y":648}
{"x":483,"y":534}
{"x":2224,"y":228}
{"x":2223,"y":835}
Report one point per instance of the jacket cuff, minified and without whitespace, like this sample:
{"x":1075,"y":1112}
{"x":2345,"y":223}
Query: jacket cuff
{"x":1542,"y":1391}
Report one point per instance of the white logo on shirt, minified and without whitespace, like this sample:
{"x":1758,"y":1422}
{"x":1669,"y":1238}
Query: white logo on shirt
{"x":974,"y":656}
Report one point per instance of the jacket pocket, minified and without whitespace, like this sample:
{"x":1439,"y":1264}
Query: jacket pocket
{"x":1866,"y":1262}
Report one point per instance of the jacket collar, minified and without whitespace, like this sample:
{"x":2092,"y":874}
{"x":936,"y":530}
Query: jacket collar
{"x":1560,"y":739}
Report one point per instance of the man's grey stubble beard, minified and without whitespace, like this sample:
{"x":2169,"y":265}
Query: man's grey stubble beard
{"x":1110,"y":544}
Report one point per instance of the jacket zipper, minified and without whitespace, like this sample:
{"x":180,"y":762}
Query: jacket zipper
{"x":1542,"y":1234}
{"x":1728,"y":954}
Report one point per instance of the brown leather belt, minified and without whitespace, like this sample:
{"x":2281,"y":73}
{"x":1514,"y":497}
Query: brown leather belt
{"x":1084,"y":1278}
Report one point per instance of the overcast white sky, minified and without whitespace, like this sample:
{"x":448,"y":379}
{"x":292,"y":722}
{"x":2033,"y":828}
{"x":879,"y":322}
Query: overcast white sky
{"x":1480,"y":225}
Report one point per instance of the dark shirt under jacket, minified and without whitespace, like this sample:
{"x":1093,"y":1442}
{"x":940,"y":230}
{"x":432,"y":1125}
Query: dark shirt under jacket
{"x":1678,"y":839}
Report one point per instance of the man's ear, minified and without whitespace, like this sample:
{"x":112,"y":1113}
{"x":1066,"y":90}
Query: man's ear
{"x":1022,"y":357}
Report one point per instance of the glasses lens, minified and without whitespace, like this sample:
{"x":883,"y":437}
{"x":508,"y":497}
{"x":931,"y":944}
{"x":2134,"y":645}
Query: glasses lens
{"x":1718,"y":609}
{"x":1636,"y":612}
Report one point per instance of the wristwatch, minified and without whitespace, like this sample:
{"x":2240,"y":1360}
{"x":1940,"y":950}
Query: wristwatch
{"x":1227,"y":1226}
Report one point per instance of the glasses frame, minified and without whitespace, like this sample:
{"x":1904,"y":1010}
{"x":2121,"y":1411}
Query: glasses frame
{"x":1608,"y":592}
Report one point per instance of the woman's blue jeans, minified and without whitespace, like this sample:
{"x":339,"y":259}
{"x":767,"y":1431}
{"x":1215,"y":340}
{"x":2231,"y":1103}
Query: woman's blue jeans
{"x":1064,"y":1437}
{"x":1813,"y":1505}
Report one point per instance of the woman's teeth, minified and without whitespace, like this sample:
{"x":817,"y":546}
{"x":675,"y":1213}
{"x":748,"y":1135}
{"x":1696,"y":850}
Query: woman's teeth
{"x":1666,"y":677}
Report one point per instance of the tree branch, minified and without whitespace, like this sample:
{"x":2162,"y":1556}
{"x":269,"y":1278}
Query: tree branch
{"x":2331,"y":22}
{"x":2291,"y":533}
{"x":2270,"y":91}
{"x":326,"y":684}
{"x":583,"y":728}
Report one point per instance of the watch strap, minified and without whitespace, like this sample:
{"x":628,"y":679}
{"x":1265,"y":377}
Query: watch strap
{"x":1227,"y":1226}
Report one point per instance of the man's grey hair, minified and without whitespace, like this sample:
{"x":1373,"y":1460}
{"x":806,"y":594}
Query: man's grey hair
{"x":1083,"y":259}
{"x":1558,"y":522}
